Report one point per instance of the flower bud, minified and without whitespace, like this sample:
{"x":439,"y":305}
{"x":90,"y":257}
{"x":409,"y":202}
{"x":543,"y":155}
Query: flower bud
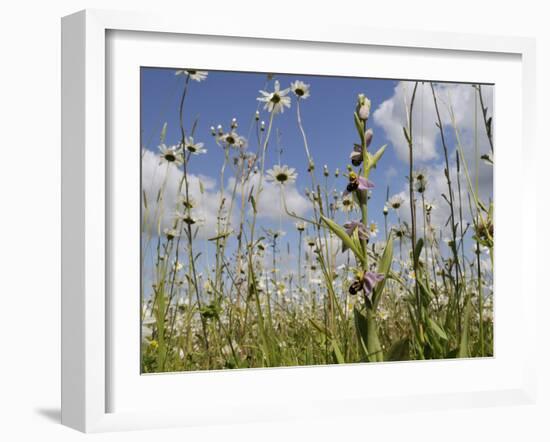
{"x":368,"y":136}
{"x":364,"y":111}
{"x":363,"y":107}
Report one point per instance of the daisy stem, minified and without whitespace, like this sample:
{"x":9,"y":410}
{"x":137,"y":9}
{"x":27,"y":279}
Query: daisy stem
{"x":299,"y":117}
{"x":192,"y":270}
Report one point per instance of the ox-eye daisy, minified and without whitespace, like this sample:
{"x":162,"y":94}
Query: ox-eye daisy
{"x":194,"y":148}
{"x":300,"y":89}
{"x":277,"y":100}
{"x":396,"y":201}
{"x":282,"y":174}
{"x":198,"y":76}
{"x":171,"y":154}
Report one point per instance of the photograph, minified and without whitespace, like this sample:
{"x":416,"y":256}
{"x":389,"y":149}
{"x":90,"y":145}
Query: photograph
{"x":303,"y":220}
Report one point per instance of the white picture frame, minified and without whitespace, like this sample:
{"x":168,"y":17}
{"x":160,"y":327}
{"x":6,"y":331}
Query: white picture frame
{"x":86,"y":315}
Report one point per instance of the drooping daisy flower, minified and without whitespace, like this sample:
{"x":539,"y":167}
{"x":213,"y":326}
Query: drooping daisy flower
{"x":194,"y":148}
{"x":300,"y":226}
{"x":373,"y":229}
{"x":347,"y":203}
{"x":396,"y":201}
{"x":171,"y":154}
{"x":358,"y":182}
{"x":420,"y":181}
{"x":233,"y":139}
{"x":188,"y":218}
{"x":188,"y":202}
{"x":171,"y":233}
{"x":197,"y":76}
{"x":300,"y":89}
{"x":484,"y":230}
{"x":282,"y":174}
{"x":400,"y":231}
{"x":277,"y":100}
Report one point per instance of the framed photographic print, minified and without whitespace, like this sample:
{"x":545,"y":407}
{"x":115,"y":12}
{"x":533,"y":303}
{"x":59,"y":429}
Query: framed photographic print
{"x":291,"y":224}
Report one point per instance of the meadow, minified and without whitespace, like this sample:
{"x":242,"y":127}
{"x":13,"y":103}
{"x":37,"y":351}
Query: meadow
{"x":254,"y":254}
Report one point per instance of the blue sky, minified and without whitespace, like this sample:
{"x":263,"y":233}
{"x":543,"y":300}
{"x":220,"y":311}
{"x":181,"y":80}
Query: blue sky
{"x":327,"y":117}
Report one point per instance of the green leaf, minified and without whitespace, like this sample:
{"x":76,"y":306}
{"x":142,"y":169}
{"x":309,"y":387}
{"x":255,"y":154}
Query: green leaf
{"x":373,"y":343}
{"x":376,"y":157}
{"x":163,"y":132}
{"x":319,"y":327}
{"x":337,"y":352}
{"x":362,"y":331}
{"x":417,"y":251}
{"x":464,"y":349}
{"x":356,"y":240}
{"x":384,"y":267}
{"x":341,"y":233}
{"x":253,"y":201}
{"x":425,"y":291}
{"x":406,"y":133}
{"x":437,"y":329}
{"x":399,"y":351}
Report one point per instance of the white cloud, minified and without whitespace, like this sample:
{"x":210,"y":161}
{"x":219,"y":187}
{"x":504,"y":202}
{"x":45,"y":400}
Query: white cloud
{"x":154,"y":175}
{"x":462,"y":100}
{"x":390,"y":172}
{"x":270,"y":205}
{"x":392,"y":117}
